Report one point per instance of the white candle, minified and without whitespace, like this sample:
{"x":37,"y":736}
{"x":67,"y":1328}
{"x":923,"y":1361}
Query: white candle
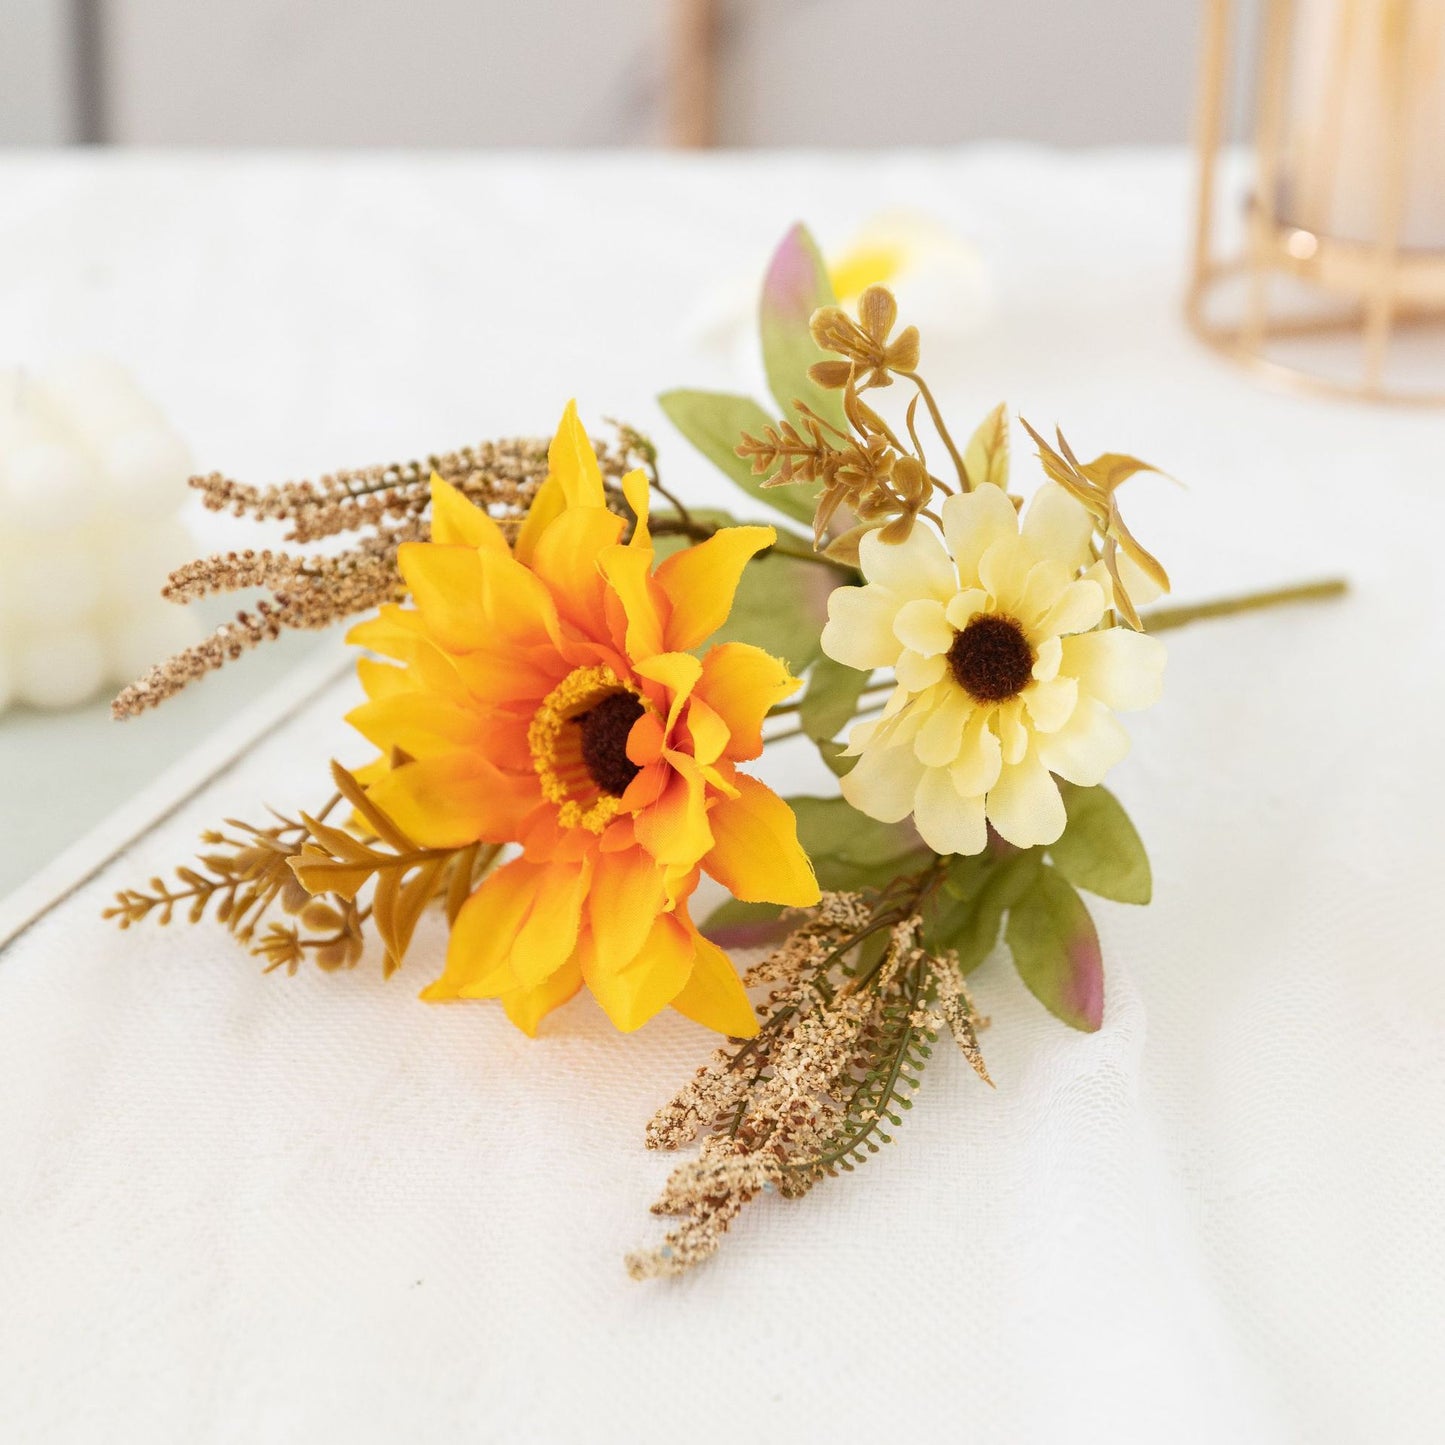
{"x":1348,"y":60}
{"x":92,"y":479}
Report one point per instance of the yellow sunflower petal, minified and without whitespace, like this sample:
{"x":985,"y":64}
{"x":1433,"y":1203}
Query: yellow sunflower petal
{"x":713,"y":995}
{"x":700,"y":582}
{"x":566,"y":559}
{"x":740,"y":683}
{"x":421,"y":724}
{"x":527,"y":1007}
{"x":457,"y":522}
{"x":549,"y":936}
{"x":756,"y":855}
{"x":395,"y":631}
{"x":649,"y":982}
{"x":707,"y":730}
{"x":644,"y":604}
{"x":635,"y":489}
{"x":381,"y":679}
{"x":573,"y":480}
{"x":628,"y":893}
{"x":674,"y":828}
{"x":447,"y":585}
{"x":478,"y":950}
{"x":454,"y":799}
{"x":679,"y":672}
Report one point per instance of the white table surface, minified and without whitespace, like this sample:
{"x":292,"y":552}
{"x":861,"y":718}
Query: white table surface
{"x":237,"y":1207}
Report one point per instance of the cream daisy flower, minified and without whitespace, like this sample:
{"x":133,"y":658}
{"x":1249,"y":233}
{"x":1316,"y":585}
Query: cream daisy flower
{"x":1006,"y":677}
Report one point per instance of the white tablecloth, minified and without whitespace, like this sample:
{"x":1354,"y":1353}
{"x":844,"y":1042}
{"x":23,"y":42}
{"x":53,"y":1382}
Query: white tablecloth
{"x":236,"y":1207}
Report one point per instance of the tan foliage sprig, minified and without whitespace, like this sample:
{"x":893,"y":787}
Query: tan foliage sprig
{"x":869,"y":479}
{"x":1095,"y":484}
{"x":313,"y":872}
{"x":857,"y":1003}
{"x":378,"y":508}
{"x":242,"y":879}
{"x":338,"y":863}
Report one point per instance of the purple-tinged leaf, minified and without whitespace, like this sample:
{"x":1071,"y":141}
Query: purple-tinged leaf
{"x":796,"y":285}
{"x":1056,"y":951}
{"x":746,"y":925}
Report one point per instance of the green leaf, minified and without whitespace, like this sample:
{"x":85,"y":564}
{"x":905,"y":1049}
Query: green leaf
{"x":966,"y":912}
{"x":831,"y":698}
{"x":1101,"y":849}
{"x":796,"y":285}
{"x":1056,"y":950}
{"x":714,"y":422}
{"x":985,"y":459}
{"x":850,"y":850}
{"x":780,"y":605}
{"x":836,"y":758}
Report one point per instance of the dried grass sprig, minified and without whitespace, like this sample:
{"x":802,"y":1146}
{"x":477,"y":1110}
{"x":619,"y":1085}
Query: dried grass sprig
{"x":380,"y":508}
{"x":857,"y":1004}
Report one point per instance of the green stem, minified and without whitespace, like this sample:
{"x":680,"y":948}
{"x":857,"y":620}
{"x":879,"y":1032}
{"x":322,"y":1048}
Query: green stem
{"x":786,"y":707}
{"x":797,"y":732}
{"x":1161,"y":619}
{"x":785,"y":548}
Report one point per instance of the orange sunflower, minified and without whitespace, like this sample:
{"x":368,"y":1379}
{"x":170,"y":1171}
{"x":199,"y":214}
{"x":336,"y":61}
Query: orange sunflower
{"x":551,"y":695}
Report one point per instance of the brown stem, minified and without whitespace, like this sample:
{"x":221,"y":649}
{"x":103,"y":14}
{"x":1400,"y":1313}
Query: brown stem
{"x":940,"y":426}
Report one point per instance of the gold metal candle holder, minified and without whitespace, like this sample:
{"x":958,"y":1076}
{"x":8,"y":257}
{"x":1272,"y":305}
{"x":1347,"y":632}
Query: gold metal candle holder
{"x":1338,"y":284}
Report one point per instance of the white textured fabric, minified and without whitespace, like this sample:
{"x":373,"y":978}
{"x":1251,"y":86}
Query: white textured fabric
{"x":236,"y":1207}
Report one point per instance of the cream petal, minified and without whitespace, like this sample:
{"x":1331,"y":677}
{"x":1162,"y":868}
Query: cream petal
{"x":973,"y":522}
{"x":964,"y":605}
{"x":976,"y":768}
{"x":1058,"y":526}
{"x":921,"y":625}
{"x":1025,"y":805}
{"x":861,"y":734}
{"x":864,"y":732}
{"x":1098,"y":574}
{"x":1004,"y":571}
{"x":883,"y":783}
{"x":859,"y":630}
{"x":1050,"y":704}
{"x":1087,"y":746}
{"x":945,"y":821}
{"x":918,"y":566}
{"x":1013,"y":735}
{"x":1047,"y":657}
{"x":917,"y":673}
{"x":1047,"y":581}
{"x":1123,"y":669}
{"x":941,"y":735}
{"x":1079,"y":607}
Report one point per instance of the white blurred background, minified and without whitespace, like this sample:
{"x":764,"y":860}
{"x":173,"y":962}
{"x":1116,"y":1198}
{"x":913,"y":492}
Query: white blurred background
{"x":471,"y":73}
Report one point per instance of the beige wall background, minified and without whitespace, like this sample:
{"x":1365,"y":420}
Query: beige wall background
{"x":590,"y":72}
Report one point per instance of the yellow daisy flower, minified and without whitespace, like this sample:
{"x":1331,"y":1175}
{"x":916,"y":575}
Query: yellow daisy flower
{"x":1006,"y":676}
{"x":552,"y":695}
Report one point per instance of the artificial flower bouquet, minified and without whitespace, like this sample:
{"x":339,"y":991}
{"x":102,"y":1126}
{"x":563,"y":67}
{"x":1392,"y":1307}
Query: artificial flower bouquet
{"x":567,"y":672}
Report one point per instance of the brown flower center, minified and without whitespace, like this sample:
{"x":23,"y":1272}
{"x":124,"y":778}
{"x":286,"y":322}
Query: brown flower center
{"x":605,"y":727}
{"x":991,"y":659}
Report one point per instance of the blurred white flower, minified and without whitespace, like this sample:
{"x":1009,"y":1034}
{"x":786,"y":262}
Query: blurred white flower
{"x":931,"y":269}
